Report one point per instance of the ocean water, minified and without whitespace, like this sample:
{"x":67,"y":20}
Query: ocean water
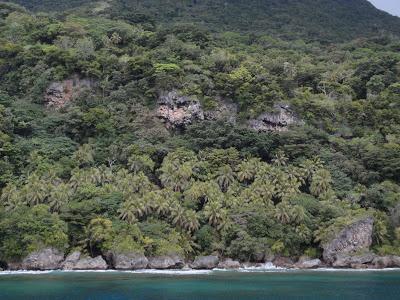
{"x":202,"y":285}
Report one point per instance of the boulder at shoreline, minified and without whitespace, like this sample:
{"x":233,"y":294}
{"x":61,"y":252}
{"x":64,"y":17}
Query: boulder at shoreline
{"x":129,"y":261}
{"x":352,"y":239}
{"x":166,"y":262}
{"x":205,"y":262}
{"x":42,"y":260}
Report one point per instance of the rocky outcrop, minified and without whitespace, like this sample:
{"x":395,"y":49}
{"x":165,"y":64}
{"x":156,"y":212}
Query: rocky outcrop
{"x":283,"y":262}
{"x":129,"y":261}
{"x":354,"y":238}
{"x":348,"y":261}
{"x":89,"y":263}
{"x":224,"y":110}
{"x":178,"y":111}
{"x":166,"y":262}
{"x":229,"y":264}
{"x":308,"y":263}
{"x":386,"y":262}
{"x":71,"y":260}
{"x":75,"y":261}
{"x":59,"y":94}
{"x":45,"y":259}
{"x":205,"y":262}
{"x":280,"y":120}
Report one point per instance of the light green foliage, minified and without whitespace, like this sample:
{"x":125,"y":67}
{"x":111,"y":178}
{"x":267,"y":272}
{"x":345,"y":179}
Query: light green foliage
{"x":25,"y":230}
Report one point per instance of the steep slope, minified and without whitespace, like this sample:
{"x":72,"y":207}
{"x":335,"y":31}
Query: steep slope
{"x":332,"y":20}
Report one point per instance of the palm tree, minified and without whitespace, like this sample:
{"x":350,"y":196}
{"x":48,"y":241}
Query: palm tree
{"x":98,"y":232}
{"x":140,"y":163}
{"x":285,"y":185}
{"x":321,"y":182}
{"x":161,"y":205}
{"x":178,"y":216}
{"x":84,"y":155}
{"x":127,"y":212}
{"x":141,"y":183}
{"x":265,"y":190}
{"x":10,"y":197}
{"x":280,"y":159}
{"x":310,"y":166}
{"x":202,"y":192}
{"x":106,"y":175}
{"x":36,"y":191}
{"x":58,"y":197}
{"x":94,"y":176}
{"x":191,"y":222}
{"x":215,"y":214}
{"x":247,"y":170}
{"x":298,"y":214}
{"x":77,"y":178}
{"x":282,"y":213}
{"x":225,"y":177}
{"x":304,"y":233}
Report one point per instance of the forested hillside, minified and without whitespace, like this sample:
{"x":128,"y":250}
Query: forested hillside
{"x":324,"y":20}
{"x":127,"y":128}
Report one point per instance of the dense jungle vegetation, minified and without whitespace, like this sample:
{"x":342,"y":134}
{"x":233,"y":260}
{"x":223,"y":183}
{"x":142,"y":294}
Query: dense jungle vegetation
{"x":103,"y":173}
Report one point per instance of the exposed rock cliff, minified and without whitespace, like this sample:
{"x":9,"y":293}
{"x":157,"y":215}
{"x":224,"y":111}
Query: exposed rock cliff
{"x":353,"y":238}
{"x":75,"y":261}
{"x":229,"y":264}
{"x":205,"y":262}
{"x":166,"y":262}
{"x":280,"y":120}
{"x":129,"y":261}
{"x":349,"y":261}
{"x":45,"y":259}
{"x":308,"y":263}
{"x":59,"y":94}
{"x":178,"y":111}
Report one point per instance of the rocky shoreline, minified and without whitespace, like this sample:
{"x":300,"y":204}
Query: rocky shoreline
{"x":349,"y":249}
{"x":50,"y":259}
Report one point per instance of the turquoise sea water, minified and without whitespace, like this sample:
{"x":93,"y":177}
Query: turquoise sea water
{"x":205,"y":286}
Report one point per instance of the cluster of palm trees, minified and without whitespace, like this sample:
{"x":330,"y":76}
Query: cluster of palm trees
{"x":187,"y":194}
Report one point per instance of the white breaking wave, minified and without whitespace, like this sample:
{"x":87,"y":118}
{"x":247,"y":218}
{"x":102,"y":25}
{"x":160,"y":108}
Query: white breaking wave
{"x":267,"y":267}
{"x":22,"y":272}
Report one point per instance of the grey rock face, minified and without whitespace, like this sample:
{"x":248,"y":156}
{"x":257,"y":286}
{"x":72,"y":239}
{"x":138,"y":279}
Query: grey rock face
{"x":45,"y":259}
{"x":71,"y":260}
{"x":278,"y":121}
{"x":283,"y":262}
{"x":59,"y":94}
{"x":229,"y":264}
{"x":224,"y":110}
{"x":307,"y":263}
{"x":129,"y":261}
{"x":347,"y":261}
{"x":166,"y":262}
{"x":353,"y":238}
{"x":386,"y":262}
{"x":205,"y":262}
{"x":178,"y":111}
{"x":89,"y":263}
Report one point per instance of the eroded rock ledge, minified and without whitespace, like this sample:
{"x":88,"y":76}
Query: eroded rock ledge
{"x":51,"y":259}
{"x":348,"y":249}
{"x":178,"y":111}
{"x":60,"y":94}
{"x":280,"y":120}
{"x":352,"y":239}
